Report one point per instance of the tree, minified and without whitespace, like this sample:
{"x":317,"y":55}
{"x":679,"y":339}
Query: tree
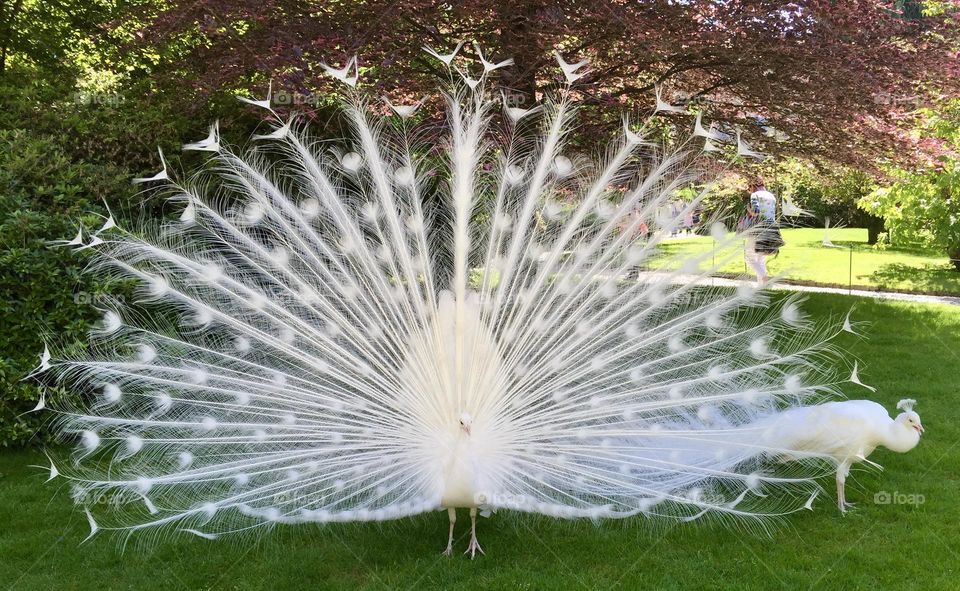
{"x":922,"y":208}
{"x":922,"y":205}
{"x":43,"y":33}
{"x":832,"y":76}
{"x":825,"y":191}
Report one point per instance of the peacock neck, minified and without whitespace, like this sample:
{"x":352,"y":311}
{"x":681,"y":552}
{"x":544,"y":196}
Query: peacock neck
{"x":459,"y":477}
{"x":900,"y":438}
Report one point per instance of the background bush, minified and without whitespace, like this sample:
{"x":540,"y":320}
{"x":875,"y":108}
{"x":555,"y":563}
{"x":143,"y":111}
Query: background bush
{"x":44,"y":295}
{"x":922,"y":207}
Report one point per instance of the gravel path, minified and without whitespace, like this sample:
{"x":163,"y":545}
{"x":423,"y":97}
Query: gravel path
{"x":880,"y":295}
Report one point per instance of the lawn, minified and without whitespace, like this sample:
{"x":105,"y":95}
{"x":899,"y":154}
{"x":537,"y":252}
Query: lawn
{"x":805,"y":259}
{"x":913,"y":351}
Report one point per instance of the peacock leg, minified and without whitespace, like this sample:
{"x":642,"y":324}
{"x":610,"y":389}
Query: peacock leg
{"x":474,"y":545}
{"x":840,"y":500}
{"x":452,"y":514}
{"x":842,"y":503}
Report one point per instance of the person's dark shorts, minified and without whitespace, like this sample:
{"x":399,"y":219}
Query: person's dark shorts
{"x":768,"y":239}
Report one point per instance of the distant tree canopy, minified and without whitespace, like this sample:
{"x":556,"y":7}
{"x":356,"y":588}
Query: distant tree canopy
{"x":922,"y":206}
{"x":42,"y":33}
{"x":835,"y":77}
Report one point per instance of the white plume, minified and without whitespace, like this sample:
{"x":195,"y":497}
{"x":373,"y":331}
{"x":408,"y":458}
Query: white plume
{"x":489,"y":66}
{"x":517,"y":113}
{"x":744,"y":149}
{"x":570,"y":71}
{"x":327,"y":342}
{"x":160,"y":176}
{"x":264,"y":103}
{"x":211,"y":143}
{"x":343,"y":74}
{"x":44,"y":366}
{"x":663,"y":106}
{"x":42,"y":403}
{"x":404,"y":111}
{"x":277,"y":134}
{"x":848,"y":324}
{"x":791,"y":209}
{"x":108,"y":224}
{"x":54,"y":472}
{"x":855,"y":378}
{"x":471,"y":83}
{"x":75,"y":241}
{"x":446,"y":58}
{"x":700,"y":131}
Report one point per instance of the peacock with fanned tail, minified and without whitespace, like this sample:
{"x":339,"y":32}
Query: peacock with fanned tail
{"x":375,"y":328}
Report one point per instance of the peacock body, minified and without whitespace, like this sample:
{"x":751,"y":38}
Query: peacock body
{"x":377,"y":327}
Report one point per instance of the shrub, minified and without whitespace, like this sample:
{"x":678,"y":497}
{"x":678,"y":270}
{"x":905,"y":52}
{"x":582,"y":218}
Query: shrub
{"x":44,"y":196}
{"x":922,"y":209}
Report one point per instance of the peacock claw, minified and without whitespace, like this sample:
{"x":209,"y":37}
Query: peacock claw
{"x":447,"y":552}
{"x":473,"y":548}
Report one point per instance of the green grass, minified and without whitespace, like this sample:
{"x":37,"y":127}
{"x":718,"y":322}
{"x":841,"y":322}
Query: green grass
{"x":805,"y":259}
{"x":912,"y":351}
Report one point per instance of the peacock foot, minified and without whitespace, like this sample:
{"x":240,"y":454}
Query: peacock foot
{"x":474,"y":547}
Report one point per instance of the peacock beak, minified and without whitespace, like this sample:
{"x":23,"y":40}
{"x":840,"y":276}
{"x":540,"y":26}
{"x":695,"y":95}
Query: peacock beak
{"x":919,"y":428}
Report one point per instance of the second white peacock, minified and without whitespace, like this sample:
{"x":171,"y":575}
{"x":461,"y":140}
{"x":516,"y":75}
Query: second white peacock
{"x":848,"y":431}
{"x":374,"y":328}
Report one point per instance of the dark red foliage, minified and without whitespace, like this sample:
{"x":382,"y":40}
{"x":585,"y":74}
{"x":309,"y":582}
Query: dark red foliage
{"x":835,"y":76}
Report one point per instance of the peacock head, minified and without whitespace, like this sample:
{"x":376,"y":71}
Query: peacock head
{"x":908,"y":418}
{"x":466,"y":422}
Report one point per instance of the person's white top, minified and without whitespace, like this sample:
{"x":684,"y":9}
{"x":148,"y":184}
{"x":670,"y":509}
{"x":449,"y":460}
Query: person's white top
{"x":765,"y":203}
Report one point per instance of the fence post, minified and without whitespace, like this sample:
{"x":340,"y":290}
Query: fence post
{"x":850,"y":274}
{"x":713,"y":265}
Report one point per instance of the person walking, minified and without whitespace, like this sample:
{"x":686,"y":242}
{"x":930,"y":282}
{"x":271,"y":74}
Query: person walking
{"x":764,"y":238}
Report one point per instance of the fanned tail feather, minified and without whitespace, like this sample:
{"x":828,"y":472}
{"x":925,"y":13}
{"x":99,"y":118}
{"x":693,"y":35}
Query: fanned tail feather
{"x":310,"y":328}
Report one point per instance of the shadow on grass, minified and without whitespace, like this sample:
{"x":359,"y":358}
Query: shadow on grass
{"x":927,"y":278}
{"x":863,"y":246}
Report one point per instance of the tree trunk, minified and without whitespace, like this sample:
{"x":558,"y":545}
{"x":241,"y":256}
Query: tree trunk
{"x":954,"y":254}
{"x":875,"y":225}
{"x":516,"y":41}
{"x":912,"y":10}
